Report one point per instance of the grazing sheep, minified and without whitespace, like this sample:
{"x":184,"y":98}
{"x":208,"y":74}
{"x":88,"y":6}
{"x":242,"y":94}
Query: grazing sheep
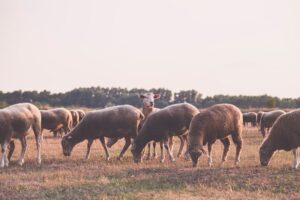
{"x":148,"y":108}
{"x":250,"y":117}
{"x":112,"y":122}
{"x":81,"y":114}
{"x":268,"y":119}
{"x":172,"y":120}
{"x":16,"y":122}
{"x":284,"y":135}
{"x":217,"y":122}
{"x":75,"y":118}
{"x":259,"y":114}
{"x":56,"y":119}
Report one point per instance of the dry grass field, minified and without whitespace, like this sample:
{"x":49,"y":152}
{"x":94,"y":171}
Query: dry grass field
{"x":73,"y":177}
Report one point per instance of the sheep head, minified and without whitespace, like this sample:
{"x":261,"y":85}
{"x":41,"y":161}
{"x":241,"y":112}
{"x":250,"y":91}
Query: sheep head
{"x":137,"y":156}
{"x":67,"y":145}
{"x":265,"y":154}
{"x":148,"y":99}
{"x":195,"y":154}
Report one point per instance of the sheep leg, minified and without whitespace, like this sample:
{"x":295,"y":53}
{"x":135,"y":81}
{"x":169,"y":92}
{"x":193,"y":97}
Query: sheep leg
{"x":111,"y":142}
{"x":11,"y":149}
{"x":238,"y":143}
{"x":167,"y":147}
{"x":127,"y":144}
{"x":226,"y":144}
{"x":39,"y":140}
{"x":263,"y":132}
{"x":24,"y":147}
{"x":89,"y":145}
{"x":209,"y":147}
{"x":186,"y":154}
{"x":181,"y":145}
{"x":162,"y":155}
{"x":171,"y":143}
{"x":149,"y":151}
{"x":4,"y":160}
{"x":102,"y":140}
{"x":295,"y":163}
{"x":154,"y":150}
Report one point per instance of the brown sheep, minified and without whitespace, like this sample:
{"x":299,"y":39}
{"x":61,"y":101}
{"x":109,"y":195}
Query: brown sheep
{"x":16,"y":123}
{"x":250,"y":117}
{"x":268,"y":119}
{"x":112,"y":122}
{"x":172,"y":120}
{"x":56,"y":119}
{"x":284,"y":135}
{"x":216,"y":122}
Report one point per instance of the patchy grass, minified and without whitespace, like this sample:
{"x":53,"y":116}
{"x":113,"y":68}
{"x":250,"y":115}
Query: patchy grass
{"x":75,"y":178}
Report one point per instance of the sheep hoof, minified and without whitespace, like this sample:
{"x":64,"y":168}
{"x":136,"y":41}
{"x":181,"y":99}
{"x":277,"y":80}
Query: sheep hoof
{"x":147,"y":158}
{"x":187,"y":157}
{"x":120,"y":158}
{"x":20,"y":162}
{"x":107,"y":159}
{"x":295,"y":166}
{"x":173,"y":160}
{"x":162,"y":160}
{"x":222,"y":164}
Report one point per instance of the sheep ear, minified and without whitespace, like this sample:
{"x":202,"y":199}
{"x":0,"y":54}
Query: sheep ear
{"x":142,"y":96}
{"x":156,"y":96}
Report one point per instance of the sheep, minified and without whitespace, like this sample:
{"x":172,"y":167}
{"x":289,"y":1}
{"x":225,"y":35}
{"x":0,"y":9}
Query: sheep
{"x":216,"y":122}
{"x":148,"y":108}
{"x":259,"y":114}
{"x":16,"y":123}
{"x":172,"y":120}
{"x":113,"y":122}
{"x":56,"y":119}
{"x":250,"y":117}
{"x":284,"y":135}
{"x":75,"y":117}
{"x":268,"y":119}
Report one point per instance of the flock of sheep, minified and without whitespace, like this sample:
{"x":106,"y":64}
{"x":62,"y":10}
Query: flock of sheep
{"x":149,"y":125}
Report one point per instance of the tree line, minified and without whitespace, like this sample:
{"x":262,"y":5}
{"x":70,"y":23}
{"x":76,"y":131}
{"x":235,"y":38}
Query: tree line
{"x":100,"y":97}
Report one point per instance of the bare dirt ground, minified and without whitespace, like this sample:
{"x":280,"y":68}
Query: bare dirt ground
{"x":73,"y":177}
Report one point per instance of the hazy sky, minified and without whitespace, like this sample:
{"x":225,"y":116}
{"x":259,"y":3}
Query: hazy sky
{"x":216,"y":47}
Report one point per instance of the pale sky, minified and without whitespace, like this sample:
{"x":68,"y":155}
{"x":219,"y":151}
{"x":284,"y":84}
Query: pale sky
{"x":216,"y":47}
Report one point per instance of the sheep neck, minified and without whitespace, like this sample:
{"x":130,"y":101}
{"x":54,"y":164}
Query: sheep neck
{"x":77,"y":135}
{"x":147,"y":110}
